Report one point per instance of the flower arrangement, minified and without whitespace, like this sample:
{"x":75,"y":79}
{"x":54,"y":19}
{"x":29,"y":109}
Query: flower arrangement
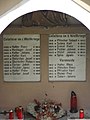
{"x":46,"y":110}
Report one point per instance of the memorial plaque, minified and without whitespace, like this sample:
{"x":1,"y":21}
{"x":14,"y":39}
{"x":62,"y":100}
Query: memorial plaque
{"x":21,"y":57}
{"x":67,"y":57}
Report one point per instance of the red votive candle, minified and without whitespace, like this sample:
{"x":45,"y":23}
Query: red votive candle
{"x":11,"y":115}
{"x":20,"y":113}
{"x":81,"y":113}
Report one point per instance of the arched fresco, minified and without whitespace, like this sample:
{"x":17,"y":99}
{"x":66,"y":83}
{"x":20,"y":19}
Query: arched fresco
{"x":64,"y":6}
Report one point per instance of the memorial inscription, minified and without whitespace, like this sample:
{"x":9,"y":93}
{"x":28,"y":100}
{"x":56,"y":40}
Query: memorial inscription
{"x":67,"y":57}
{"x":21,"y":57}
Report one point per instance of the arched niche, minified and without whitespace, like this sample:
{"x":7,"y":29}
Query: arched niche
{"x":66,"y":6}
